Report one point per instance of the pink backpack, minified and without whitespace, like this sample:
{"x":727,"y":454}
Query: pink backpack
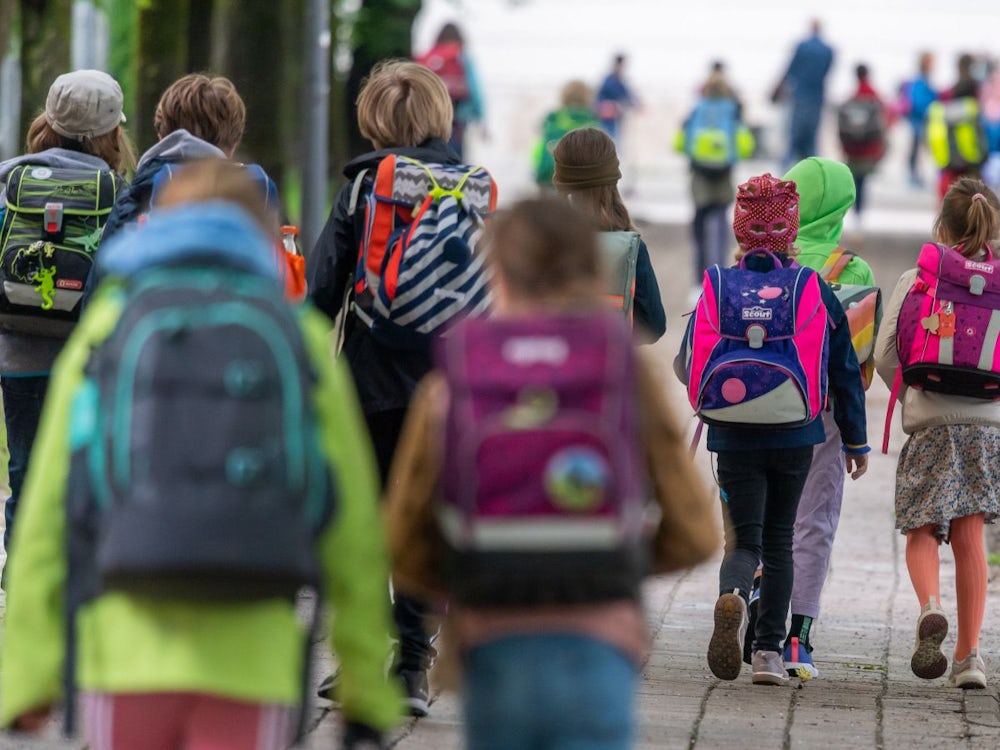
{"x":541,"y":492}
{"x":759,"y":346}
{"x":948,"y":332}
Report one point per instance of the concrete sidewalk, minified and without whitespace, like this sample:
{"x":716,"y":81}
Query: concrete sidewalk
{"x":866,"y":695}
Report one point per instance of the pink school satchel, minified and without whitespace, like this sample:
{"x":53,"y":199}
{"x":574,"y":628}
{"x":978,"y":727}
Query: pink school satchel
{"x":542,"y":497}
{"x":948,"y":332}
{"x":759,"y":346}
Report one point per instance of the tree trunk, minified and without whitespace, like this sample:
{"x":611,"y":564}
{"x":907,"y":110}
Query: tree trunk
{"x":45,"y":54}
{"x":383,"y":30}
{"x":258,"y":45}
{"x":162,"y":59}
{"x":6,"y":26}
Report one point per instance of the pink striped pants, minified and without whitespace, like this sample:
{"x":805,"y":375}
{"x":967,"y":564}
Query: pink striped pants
{"x":183,"y":721}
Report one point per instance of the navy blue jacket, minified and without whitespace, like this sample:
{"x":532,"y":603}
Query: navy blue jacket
{"x":648,"y":312}
{"x":847,"y":394}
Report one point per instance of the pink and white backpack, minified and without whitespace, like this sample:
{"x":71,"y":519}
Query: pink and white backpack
{"x":948,"y":332}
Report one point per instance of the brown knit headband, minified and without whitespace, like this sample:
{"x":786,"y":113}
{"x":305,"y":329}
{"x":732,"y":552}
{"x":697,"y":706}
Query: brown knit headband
{"x":587,"y":175}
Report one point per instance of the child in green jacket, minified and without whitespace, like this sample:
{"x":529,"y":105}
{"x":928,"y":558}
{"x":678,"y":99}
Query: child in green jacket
{"x":157,"y":671}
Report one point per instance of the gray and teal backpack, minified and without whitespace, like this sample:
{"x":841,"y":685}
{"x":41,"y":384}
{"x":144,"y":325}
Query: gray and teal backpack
{"x":52,"y":224}
{"x":197,"y":470}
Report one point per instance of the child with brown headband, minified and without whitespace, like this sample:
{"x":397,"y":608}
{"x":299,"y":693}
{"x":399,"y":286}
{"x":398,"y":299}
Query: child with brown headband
{"x":551,"y":607}
{"x":948,"y":475}
{"x":587,"y":174}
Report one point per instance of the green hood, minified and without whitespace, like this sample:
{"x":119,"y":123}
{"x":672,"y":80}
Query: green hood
{"x":826,"y":194}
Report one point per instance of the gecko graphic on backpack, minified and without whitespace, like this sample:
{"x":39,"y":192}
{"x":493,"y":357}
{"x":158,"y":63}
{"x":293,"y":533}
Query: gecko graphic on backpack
{"x":758,"y":346}
{"x":948,"y":334}
{"x":419,"y":269}
{"x":862,"y":306}
{"x":51,"y":228}
{"x":542,"y":498}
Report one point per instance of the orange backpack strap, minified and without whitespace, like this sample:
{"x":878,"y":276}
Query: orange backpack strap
{"x":835,"y":264}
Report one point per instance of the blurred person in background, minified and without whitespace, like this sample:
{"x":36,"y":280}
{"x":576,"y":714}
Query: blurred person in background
{"x":614,"y":99}
{"x":805,"y":84}
{"x":915,"y":96}
{"x":862,"y":124}
{"x":452,"y":63}
{"x":575,"y":111}
{"x":956,"y":131}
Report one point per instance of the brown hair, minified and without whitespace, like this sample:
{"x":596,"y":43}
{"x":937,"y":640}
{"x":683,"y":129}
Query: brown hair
{"x":543,"y":252}
{"x":603,"y":203}
{"x":208,"y":108}
{"x":576,"y":93}
{"x":114,"y":147}
{"x":403,"y":104}
{"x":218,"y":179}
{"x":970,"y":217}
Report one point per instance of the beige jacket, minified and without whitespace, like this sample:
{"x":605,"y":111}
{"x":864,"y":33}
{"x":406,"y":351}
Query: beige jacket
{"x":922,"y":409}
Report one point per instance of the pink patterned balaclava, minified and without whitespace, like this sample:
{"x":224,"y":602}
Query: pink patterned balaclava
{"x":766,"y":214}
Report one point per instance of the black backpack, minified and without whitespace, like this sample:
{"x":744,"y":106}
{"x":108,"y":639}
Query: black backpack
{"x":52,"y":224}
{"x":860,"y":123}
{"x":197,"y":470}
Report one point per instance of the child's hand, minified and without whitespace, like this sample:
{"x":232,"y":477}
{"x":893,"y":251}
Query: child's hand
{"x":32,"y":721}
{"x":857,"y":464}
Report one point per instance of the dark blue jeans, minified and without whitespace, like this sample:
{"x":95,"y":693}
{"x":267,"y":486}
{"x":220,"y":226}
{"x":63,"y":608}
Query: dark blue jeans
{"x":548,"y":692}
{"x":761,"y":491}
{"x":22,"y":410}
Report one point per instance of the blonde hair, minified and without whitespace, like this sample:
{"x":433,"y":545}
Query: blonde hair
{"x":208,"y":108}
{"x":113,"y":147}
{"x":970,"y":217}
{"x":545,"y":253}
{"x":576,"y":94}
{"x":218,"y":179}
{"x":603,"y":203}
{"x":403,"y":104}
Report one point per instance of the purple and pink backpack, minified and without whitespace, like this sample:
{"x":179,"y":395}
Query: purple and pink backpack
{"x":948,"y":331}
{"x":542,"y":496}
{"x":758,"y":347}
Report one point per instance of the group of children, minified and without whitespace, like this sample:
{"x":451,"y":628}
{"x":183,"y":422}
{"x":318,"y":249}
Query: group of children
{"x":532,"y":471}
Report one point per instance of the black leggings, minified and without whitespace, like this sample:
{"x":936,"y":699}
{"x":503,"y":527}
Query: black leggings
{"x":761,"y":491}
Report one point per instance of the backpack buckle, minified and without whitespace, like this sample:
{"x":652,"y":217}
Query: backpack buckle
{"x":756,"y":335}
{"x":977,"y":284}
{"x":53,"y":218}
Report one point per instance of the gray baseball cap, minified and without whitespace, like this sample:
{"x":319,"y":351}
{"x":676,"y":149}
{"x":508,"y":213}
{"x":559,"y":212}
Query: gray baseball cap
{"x":84,"y":104}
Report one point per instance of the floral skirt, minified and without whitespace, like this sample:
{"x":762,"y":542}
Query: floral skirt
{"x":947,"y":472}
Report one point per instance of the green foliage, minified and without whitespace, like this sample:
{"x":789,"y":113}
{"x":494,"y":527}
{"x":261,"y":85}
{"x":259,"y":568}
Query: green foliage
{"x":383,"y":28}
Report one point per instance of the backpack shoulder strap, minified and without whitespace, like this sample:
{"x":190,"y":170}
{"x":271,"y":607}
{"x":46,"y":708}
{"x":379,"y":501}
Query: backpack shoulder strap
{"x":356,"y":188}
{"x":835,"y":264}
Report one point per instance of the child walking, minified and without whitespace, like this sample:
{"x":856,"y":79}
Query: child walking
{"x":532,"y":527}
{"x":762,"y":470}
{"x":587,"y":174}
{"x":78,"y":136}
{"x":947,"y":479}
{"x":167,"y":595}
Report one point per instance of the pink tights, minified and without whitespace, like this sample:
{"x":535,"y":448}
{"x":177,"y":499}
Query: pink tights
{"x":970,"y":574}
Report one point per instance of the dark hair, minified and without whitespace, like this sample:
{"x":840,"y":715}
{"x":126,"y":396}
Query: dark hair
{"x":450,"y":33}
{"x":861,"y":71}
{"x":546,"y":251}
{"x":970,"y":217}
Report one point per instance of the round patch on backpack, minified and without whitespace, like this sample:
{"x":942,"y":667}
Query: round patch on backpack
{"x":577,"y":479}
{"x":41,"y":173}
{"x":733,"y":390}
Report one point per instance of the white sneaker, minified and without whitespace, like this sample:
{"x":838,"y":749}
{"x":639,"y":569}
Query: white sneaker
{"x":928,"y":662}
{"x":768,"y":668}
{"x":970,"y":672}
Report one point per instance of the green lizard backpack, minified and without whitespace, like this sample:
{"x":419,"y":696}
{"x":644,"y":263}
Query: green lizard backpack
{"x":52,"y":224}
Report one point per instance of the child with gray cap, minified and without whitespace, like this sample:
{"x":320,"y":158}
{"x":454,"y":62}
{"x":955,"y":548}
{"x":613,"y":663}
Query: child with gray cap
{"x":54,"y":200}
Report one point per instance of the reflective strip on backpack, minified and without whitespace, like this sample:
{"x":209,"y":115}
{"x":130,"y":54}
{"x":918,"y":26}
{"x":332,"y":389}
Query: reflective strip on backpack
{"x":539,"y":534}
{"x":988,"y":356}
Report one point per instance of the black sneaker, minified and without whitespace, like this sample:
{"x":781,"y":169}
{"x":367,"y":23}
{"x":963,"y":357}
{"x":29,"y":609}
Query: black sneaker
{"x":417,"y":691}
{"x":328,"y":687}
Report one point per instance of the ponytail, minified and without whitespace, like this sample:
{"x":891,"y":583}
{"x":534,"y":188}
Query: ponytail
{"x":970,"y":217}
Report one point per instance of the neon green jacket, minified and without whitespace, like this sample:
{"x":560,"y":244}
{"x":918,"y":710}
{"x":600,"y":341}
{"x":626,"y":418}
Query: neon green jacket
{"x":826,"y":194}
{"x":246,"y":651}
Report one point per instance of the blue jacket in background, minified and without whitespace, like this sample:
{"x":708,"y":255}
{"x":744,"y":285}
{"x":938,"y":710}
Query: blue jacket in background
{"x":807,"y":71}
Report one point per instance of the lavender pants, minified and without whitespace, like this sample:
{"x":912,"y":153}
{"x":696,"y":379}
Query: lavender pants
{"x":816,"y":521}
